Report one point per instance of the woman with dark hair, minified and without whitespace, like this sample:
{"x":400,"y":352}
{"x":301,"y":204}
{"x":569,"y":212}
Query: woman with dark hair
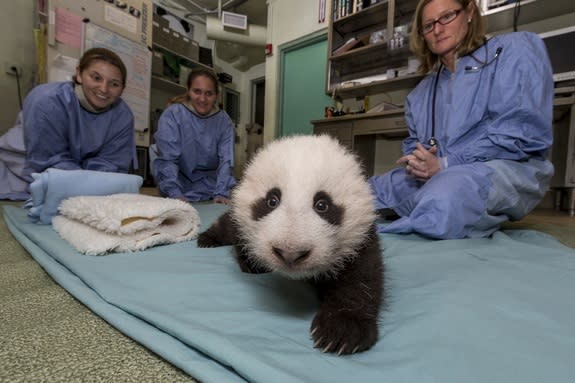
{"x":195,"y":144}
{"x":79,"y":124}
{"x":480,"y":127}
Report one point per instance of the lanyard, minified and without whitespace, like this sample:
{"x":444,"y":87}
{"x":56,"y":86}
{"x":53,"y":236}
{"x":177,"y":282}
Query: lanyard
{"x":432,"y":141}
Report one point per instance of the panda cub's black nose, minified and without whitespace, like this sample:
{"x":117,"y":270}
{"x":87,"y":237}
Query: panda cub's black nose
{"x":291,"y":258}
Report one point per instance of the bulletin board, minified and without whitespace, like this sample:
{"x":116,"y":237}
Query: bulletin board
{"x":138,"y":61}
{"x":131,"y":19}
{"x":122,"y":26}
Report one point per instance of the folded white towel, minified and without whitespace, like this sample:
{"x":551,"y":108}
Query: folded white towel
{"x":97,"y":225}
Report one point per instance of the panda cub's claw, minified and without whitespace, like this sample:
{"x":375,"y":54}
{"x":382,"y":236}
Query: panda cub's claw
{"x":343,"y":334}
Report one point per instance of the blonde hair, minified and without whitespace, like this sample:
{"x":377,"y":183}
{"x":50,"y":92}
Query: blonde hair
{"x":182,"y":98}
{"x":474,"y":38}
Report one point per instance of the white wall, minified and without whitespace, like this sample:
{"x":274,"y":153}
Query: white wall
{"x":16,"y":47}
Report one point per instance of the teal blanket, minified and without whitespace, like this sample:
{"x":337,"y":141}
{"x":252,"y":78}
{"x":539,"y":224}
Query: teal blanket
{"x":499,"y":309}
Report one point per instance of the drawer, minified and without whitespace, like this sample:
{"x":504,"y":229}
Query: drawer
{"x":392,"y":126}
{"x":342,"y":132}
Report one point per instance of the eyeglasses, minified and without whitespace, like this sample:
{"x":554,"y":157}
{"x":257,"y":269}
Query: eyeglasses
{"x":443,"y":20}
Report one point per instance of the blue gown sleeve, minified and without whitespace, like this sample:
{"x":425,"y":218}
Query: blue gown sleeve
{"x":45,"y":133}
{"x":225,"y":179}
{"x":408,"y":144}
{"x":118,"y":152}
{"x":520,"y":106}
{"x":168,"y":143}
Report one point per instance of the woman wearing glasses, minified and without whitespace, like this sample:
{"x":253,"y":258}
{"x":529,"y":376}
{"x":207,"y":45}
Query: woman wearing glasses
{"x":194,"y":151}
{"x":479,"y":128}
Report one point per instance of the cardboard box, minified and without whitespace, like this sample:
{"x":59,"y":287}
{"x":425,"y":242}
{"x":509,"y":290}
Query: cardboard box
{"x":191,"y":49}
{"x":158,"y":63}
{"x":160,"y":22}
{"x":184,"y":73}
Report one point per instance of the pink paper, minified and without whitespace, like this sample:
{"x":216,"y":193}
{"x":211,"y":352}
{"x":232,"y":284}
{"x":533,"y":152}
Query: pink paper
{"x":68,"y":28}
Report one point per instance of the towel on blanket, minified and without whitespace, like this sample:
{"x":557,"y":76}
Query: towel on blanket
{"x":52,"y":186}
{"x":97,"y":225}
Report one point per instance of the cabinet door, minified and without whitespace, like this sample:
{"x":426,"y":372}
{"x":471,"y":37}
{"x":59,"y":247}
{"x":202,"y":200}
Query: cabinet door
{"x":340,"y":130}
{"x":563,"y":149}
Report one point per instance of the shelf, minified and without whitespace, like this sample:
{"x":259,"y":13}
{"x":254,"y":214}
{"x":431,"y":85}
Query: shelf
{"x":191,"y":63}
{"x":369,"y":17}
{"x":167,"y":85}
{"x":405,"y":7}
{"x":380,"y":50}
{"x":398,"y":83}
{"x":501,"y":18}
{"x":360,"y":116}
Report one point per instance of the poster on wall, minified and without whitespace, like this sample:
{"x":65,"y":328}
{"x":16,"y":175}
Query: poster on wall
{"x":131,"y":19}
{"x":137,"y":58}
{"x":68,"y":28}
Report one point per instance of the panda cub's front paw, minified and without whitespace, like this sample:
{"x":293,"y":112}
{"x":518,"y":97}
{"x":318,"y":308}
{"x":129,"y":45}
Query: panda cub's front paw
{"x":343,"y":333}
{"x":207,"y":240}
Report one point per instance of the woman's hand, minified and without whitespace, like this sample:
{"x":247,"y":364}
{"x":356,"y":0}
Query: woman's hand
{"x":421,"y":163}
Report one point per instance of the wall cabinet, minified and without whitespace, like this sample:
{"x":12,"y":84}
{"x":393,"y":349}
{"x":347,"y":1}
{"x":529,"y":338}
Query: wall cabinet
{"x":367,"y":47}
{"x":378,"y":63}
{"x":173,"y":57}
{"x":359,"y":65}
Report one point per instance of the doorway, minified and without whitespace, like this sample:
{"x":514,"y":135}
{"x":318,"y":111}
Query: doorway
{"x":255,"y":129}
{"x":302,"y":94}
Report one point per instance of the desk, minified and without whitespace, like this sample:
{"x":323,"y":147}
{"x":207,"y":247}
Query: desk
{"x":563,"y":151}
{"x":359,"y":133}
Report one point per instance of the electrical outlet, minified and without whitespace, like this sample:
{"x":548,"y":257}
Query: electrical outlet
{"x":11,"y":68}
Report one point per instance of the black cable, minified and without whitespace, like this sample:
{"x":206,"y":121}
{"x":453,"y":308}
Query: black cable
{"x":516,"y":11}
{"x":15,"y":70}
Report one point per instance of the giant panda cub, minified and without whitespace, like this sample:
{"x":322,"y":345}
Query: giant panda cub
{"x":304,"y":210}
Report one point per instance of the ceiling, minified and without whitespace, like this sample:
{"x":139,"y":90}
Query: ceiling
{"x":256,"y":10}
{"x":241,"y":57}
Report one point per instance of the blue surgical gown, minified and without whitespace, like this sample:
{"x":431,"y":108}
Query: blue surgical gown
{"x":494,"y":129}
{"x":60,"y":133}
{"x":195,"y":154}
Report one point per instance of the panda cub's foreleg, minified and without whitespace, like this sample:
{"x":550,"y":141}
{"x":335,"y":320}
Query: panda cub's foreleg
{"x":223,"y":232}
{"x":347,"y":321}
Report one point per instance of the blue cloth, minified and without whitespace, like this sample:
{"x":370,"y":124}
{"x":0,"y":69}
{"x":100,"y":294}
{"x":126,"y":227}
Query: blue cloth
{"x":195,"y":154}
{"x":52,"y":186}
{"x":12,"y":158}
{"x":60,"y":133}
{"x":494,"y":129}
{"x":495,"y":310}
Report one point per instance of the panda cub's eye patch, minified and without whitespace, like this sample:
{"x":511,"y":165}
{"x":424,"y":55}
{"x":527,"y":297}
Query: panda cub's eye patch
{"x":323,"y":205}
{"x":267,"y":204}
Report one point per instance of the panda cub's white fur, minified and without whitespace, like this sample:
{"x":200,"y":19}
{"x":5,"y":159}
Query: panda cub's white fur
{"x":304,"y":209}
{"x":300,"y":166}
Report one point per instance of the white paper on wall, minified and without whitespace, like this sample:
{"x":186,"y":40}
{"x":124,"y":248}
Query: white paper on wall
{"x":62,"y":68}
